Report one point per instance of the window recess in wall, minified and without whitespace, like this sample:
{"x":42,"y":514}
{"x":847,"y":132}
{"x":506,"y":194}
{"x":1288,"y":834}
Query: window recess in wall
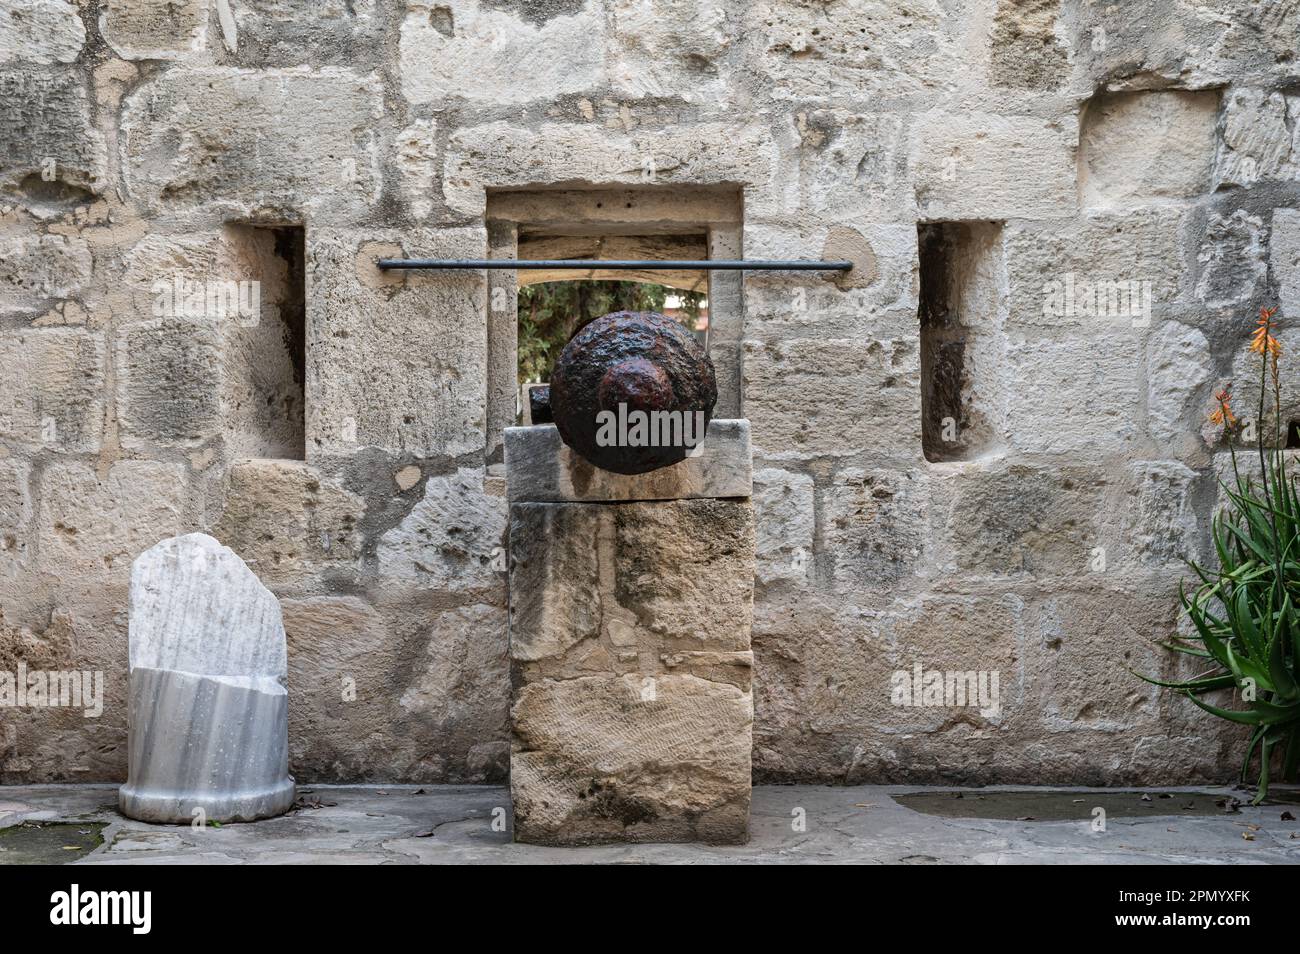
{"x":961,"y":319}
{"x":533,"y":311}
{"x":265,"y":343}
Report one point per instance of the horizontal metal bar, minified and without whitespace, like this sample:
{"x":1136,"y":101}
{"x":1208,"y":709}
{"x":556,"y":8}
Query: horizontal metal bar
{"x":588,"y":264}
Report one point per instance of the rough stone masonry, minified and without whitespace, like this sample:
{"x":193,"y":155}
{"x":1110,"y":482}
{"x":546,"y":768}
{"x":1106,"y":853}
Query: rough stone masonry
{"x":965,"y":457}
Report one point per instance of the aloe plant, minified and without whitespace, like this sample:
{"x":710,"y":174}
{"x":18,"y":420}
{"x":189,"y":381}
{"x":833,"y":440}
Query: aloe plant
{"x":1244,"y":610}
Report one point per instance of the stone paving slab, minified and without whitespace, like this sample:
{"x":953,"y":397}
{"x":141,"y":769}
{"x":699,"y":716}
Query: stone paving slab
{"x":439,"y":824}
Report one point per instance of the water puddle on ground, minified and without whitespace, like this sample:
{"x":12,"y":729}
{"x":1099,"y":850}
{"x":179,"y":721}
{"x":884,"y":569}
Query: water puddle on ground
{"x":49,"y":843}
{"x":1067,"y":806}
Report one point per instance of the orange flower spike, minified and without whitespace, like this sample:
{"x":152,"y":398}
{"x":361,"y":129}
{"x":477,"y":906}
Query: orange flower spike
{"x":1263,"y":342}
{"x":1224,"y":414}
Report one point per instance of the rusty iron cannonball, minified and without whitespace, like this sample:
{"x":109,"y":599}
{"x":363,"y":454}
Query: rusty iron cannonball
{"x":644,"y":361}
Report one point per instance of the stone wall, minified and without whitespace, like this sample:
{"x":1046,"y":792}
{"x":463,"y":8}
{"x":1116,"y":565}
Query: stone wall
{"x":339,"y":443}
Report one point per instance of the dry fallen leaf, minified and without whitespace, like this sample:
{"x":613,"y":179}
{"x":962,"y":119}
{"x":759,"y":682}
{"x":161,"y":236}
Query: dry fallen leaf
{"x":1249,"y":836}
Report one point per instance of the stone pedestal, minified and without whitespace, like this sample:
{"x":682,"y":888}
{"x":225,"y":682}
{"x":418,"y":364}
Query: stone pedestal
{"x":631,"y":602}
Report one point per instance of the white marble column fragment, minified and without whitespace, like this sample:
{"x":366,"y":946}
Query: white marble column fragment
{"x":208,"y":716}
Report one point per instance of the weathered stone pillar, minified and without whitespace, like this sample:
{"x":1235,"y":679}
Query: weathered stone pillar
{"x":631,"y":602}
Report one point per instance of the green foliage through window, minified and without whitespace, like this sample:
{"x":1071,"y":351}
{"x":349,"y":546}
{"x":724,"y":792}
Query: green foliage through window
{"x":550,"y":313}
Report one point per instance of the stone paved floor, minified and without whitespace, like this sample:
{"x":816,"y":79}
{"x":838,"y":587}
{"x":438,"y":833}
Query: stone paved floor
{"x":407,"y":824}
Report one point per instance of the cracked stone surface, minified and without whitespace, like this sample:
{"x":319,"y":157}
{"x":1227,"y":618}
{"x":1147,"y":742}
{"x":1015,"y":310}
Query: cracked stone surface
{"x":443,"y":824}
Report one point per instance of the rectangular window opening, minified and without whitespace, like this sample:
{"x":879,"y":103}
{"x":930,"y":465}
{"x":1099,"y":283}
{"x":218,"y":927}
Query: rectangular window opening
{"x":532,"y":314}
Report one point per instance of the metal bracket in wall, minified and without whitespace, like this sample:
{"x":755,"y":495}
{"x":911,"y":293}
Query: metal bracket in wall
{"x":586,"y":264}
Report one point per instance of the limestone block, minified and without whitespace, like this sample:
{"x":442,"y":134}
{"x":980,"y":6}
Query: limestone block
{"x":582,"y":571}
{"x":1160,"y":525}
{"x":422,"y":334}
{"x":1013,"y":519}
{"x":1103,"y":269}
{"x":244,"y":142}
{"x":874,"y":526}
{"x":443,"y":43}
{"x":1179,"y":363}
{"x":452,"y":539}
{"x":1147,"y":145}
{"x":831,"y":680}
{"x":1244,"y":380}
{"x":705,"y":603}
{"x":1108,"y":634}
{"x":143,"y":30}
{"x":1257,"y":143}
{"x":94,"y":524}
{"x":398,"y":688}
{"x":170,"y":382}
{"x":502,"y":155}
{"x":340,"y":655}
{"x":217,"y":344}
{"x":208,"y":711}
{"x":50,"y":140}
{"x":666,"y":48}
{"x":972,"y":165}
{"x":962,"y":633}
{"x":1284,"y":258}
{"x":52,"y":393}
{"x":277,"y":33}
{"x":1151,"y":44}
{"x":541,"y":467}
{"x":805,"y":397}
{"x":287,"y":520}
{"x":555,"y":578}
{"x":785,"y":520}
{"x":849,"y":166}
{"x":41,"y":31}
{"x":1231,"y":260}
{"x":15,"y":513}
{"x":822,"y":675}
{"x":37,"y":268}
{"x":876,"y":298}
{"x":1027,"y":51}
{"x":417,"y":166}
{"x":902,"y":51}
{"x":460,"y":684}
{"x":600,"y":759}
{"x":1081,"y":394}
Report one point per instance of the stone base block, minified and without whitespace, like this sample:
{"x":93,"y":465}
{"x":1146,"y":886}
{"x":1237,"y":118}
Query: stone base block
{"x":630,"y":758}
{"x":632,"y":709}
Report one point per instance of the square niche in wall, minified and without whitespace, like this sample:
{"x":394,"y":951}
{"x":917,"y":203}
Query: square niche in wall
{"x":533,"y":313}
